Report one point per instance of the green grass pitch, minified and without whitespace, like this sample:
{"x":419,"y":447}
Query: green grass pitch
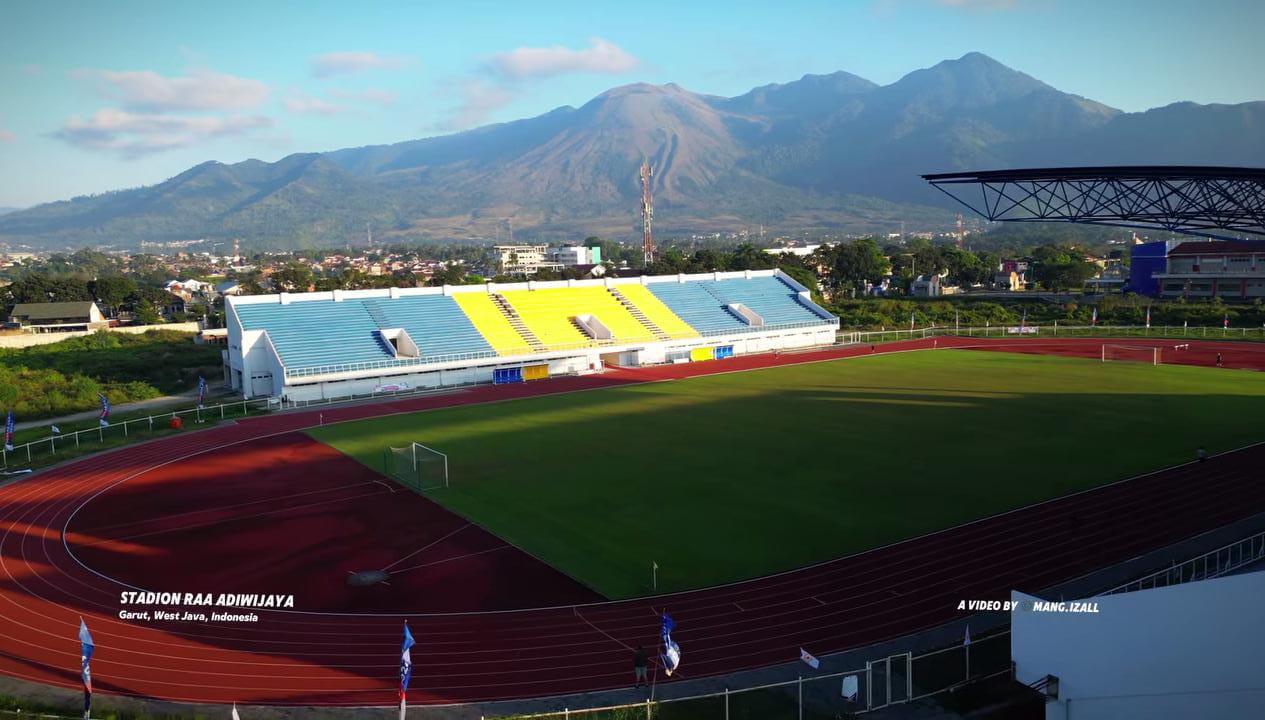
{"x":726,"y":477}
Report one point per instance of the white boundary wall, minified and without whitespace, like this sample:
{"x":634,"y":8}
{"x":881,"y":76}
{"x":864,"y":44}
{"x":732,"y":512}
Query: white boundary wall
{"x":255,"y":367}
{"x":21,"y":340}
{"x":1188,"y":651}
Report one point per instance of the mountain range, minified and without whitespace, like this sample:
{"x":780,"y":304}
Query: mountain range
{"x":825,"y":152}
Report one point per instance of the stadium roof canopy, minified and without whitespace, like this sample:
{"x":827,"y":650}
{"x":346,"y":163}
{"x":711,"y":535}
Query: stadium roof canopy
{"x":1220,"y":202}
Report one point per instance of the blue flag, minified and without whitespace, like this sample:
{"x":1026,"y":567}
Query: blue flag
{"x":201,"y":390}
{"x":406,"y":667}
{"x":8,"y":432}
{"x":671,"y":651}
{"x":105,"y":410}
{"x":86,"y":648}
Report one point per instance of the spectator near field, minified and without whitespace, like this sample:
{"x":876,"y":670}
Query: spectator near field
{"x":640,"y":662}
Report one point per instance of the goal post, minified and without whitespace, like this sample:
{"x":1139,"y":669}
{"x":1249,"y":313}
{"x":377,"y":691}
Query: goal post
{"x":417,"y":467}
{"x":1131,"y":353}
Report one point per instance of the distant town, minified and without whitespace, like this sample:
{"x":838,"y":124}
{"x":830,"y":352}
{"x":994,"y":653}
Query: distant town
{"x":182,"y":285}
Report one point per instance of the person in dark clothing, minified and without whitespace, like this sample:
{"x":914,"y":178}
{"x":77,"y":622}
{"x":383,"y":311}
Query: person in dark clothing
{"x":1218,"y":359}
{"x":640,"y":662}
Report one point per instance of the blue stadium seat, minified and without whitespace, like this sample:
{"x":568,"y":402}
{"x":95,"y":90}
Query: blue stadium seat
{"x":701,"y":303}
{"x":319,"y":333}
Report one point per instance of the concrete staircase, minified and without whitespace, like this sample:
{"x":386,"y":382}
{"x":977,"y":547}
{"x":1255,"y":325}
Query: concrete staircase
{"x":516,"y":322}
{"x":375,"y":312}
{"x":641,"y":317}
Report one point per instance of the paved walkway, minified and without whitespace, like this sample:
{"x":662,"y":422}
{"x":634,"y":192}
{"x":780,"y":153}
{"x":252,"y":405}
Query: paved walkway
{"x":152,"y":403}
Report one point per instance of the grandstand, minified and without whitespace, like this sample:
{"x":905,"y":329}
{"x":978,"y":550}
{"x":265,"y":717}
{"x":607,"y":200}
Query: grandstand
{"x":326,"y":345}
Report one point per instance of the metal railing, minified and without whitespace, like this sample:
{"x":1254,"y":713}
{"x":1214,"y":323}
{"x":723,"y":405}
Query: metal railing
{"x":1215,"y":563}
{"x":1031,"y":330}
{"x":63,"y":443}
{"x":884,"y":681}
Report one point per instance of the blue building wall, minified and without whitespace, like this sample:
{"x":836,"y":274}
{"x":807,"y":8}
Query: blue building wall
{"x":1146,"y":260}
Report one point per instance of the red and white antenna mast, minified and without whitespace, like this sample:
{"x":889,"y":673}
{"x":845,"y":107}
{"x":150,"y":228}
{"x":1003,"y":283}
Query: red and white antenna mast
{"x":647,"y":213}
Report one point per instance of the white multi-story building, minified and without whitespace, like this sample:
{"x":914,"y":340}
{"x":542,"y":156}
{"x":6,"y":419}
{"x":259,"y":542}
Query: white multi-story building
{"x":524,"y":259}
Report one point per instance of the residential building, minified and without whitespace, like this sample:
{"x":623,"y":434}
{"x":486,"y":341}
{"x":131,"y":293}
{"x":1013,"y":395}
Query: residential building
{"x":58,"y":316}
{"x":925,"y":286}
{"x":1010,"y":281}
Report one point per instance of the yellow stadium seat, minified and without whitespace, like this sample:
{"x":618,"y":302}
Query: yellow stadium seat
{"x":492,"y":323}
{"x":549,"y":313}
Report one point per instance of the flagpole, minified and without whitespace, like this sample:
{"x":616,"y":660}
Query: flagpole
{"x":654,"y":574}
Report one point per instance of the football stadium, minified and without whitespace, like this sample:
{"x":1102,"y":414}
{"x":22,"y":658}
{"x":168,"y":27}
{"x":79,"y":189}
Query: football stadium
{"x":317,"y":346}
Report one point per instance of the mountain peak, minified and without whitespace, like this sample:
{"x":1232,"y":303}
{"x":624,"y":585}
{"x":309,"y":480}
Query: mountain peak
{"x":783,"y":152}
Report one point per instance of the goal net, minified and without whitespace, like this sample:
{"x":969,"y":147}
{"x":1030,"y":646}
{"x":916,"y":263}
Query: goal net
{"x":417,"y":467}
{"x":1131,"y":353}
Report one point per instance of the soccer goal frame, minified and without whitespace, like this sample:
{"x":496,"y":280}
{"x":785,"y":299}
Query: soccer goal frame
{"x":1131,"y":353}
{"x":417,"y":467}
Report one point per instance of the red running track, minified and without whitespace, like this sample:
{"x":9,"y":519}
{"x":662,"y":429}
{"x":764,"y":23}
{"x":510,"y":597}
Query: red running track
{"x":351,"y":659}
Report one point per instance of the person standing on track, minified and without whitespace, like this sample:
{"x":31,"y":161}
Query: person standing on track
{"x":640,"y":662}
{"x":1218,"y":359}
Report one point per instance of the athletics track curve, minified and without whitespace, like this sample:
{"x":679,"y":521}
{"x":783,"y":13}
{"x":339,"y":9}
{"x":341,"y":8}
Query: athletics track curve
{"x":308,"y":659}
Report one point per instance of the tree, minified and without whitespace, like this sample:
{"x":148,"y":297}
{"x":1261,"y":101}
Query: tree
{"x":146,"y":313}
{"x":1058,"y":267}
{"x":294,"y":277}
{"x":851,"y":265}
{"x":111,"y":292}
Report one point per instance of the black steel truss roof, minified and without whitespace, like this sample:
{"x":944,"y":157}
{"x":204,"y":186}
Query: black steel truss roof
{"x":1220,"y":202}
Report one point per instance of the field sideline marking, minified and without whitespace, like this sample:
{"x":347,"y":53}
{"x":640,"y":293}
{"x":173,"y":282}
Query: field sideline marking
{"x":582,"y":390}
{"x":458,"y":557}
{"x":427,"y":546}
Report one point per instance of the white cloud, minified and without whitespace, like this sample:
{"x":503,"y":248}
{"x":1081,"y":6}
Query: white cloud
{"x":7,"y":135}
{"x":477,"y":99}
{"x":310,"y":104}
{"x":376,"y":96}
{"x":354,"y":61}
{"x":137,"y":134}
{"x":199,"y":90}
{"x":501,"y":78}
{"x":602,"y":56}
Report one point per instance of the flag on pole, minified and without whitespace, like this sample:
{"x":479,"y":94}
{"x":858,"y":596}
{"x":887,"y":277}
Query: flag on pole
{"x":1225,"y":320}
{"x":1093,"y":319}
{"x":809,"y":659}
{"x":56,"y":430}
{"x":1148,"y":316}
{"x":105,"y":410}
{"x":201,"y":391}
{"x":671,"y":651}
{"x":8,"y":432}
{"x":87,"y":646}
{"x":911,"y":320}
{"x":406,"y":668}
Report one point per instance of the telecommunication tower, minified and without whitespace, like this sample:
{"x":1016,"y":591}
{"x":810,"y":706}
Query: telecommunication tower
{"x":647,"y":213}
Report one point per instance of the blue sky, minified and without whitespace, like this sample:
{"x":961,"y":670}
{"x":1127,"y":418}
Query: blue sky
{"x":97,"y":96}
